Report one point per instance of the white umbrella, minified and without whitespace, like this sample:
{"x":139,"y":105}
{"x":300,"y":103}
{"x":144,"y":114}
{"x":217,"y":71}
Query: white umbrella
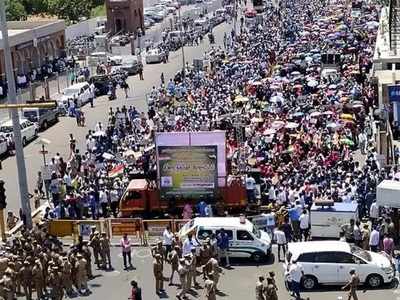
{"x":333,"y":125}
{"x":277,"y":124}
{"x":315,"y":114}
{"x":312,"y":83}
{"x":269,"y":131}
{"x":332,"y":87}
{"x":277,"y":98}
{"x":291,"y":125}
{"x":107,"y":156}
{"x":328,"y":112}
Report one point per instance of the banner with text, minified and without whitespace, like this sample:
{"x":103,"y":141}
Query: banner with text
{"x":189,"y":171}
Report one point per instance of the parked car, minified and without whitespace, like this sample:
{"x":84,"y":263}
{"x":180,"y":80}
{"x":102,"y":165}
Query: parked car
{"x":131,"y":65}
{"x":42,"y":116}
{"x":4,"y":147}
{"x":29,"y":130}
{"x":115,"y":60}
{"x":329,"y":262}
{"x":154,"y":56}
{"x":80,"y":91}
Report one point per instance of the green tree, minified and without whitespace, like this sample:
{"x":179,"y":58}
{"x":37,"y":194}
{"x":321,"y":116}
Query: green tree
{"x":15,"y":10}
{"x":33,"y":7}
{"x":70,"y":10}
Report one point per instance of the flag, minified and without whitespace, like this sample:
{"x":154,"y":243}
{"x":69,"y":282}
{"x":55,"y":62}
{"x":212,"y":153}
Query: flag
{"x":116,"y":171}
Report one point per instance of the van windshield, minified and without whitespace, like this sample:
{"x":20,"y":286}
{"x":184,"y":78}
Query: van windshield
{"x":357,"y":251}
{"x":256,"y":232}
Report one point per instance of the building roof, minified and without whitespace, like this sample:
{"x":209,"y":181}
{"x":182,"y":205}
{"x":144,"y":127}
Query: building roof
{"x":20,"y":32}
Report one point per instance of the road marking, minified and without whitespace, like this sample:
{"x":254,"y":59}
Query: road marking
{"x":143,"y":253}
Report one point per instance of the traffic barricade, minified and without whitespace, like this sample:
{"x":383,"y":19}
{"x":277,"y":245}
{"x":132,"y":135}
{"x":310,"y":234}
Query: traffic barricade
{"x":61,"y":228}
{"x":153,"y":229}
{"x":132,"y":227}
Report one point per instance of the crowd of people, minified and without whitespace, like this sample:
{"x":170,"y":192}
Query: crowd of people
{"x":36,"y":261}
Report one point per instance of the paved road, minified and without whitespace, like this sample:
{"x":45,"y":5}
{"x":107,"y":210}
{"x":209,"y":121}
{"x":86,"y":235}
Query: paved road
{"x":236,"y":284}
{"x":58,"y":134}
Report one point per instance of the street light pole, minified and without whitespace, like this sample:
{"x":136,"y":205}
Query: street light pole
{"x":183,"y":44}
{"x":12,"y":97}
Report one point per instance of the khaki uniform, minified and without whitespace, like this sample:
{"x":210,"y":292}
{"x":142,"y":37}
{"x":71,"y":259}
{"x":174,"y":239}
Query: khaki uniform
{"x":158,"y":274}
{"x":159,"y":249}
{"x":353,"y":284}
{"x":88,"y":256}
{"x":95,"y":244}
{"x":260,"y":291}
{"x":81,"y":273}
{"x":38,"y":280}
{"x":192,"y":274}
{"x":25,"y":274}
{"x":173,"y":259}
{"x":210,"y":289}
{"x":56,"y":285}
{"x":183,"y":272}
{"x":212,"y":267}
{"x":105,"y":252}
{"x":9,"y":287}
{"x":270,"y":292}
{"x":67,"y":276}
{"x":3,"y":265}
{"x":205,"y":254}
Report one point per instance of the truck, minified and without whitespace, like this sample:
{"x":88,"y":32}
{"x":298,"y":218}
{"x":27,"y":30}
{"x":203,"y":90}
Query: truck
{"x":143,"y":199}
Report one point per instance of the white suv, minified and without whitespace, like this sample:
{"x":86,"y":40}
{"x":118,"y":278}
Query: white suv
{"x":329,"y":262}
{"x":29,"y":130}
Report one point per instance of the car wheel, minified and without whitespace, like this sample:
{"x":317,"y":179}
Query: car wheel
{"x":24,"y":141}
{"x":45,"y":125}
{"x":257,"y":257}
{"x":374,"y":280}
{"x":309,"y":282}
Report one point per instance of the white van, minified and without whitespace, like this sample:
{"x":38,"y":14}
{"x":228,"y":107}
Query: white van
{"x":327,"y":221}
{"x":201,"y":25}
{"x":29,"y":130}
{"x":245,"y":239}
{"x":80,"y":91}
{"x":329,"y":262}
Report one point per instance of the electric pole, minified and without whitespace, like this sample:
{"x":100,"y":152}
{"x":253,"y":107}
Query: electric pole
{"x":12,"y":97}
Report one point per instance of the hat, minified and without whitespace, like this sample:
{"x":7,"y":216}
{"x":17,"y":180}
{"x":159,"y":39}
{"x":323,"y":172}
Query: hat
{"x":352,"y":271}
{"x":79,"y":255}
{"x":158,"y":256}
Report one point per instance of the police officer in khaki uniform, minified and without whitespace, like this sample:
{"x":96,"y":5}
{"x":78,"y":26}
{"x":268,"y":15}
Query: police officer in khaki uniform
{"x":212,"y":267}
{"x":183,"y":272}
{"x":158,"y":249}
{"x":88,"y":257}
{"x":81,"y":273}
{"x":352,"y":284}
{"x":38,"y":279}
{"x":192,"y":269}
{"x":67,"y":276}
{"x":94,"y":242}
{"x":105,"y":251}
{"x":55,"y":283}
{"x":260,"y":288}
{"x":173,"y":259}
{"x":25,"y":274}
{"x":210,"y":288}
{"x":8,"y":284}
{"x":158,"y":273}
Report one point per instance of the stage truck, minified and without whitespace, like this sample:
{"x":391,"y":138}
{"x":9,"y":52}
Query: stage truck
{"x":191,"y":167}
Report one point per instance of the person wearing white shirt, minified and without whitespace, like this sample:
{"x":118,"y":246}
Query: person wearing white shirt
{"x":374,"y":212}
{"x":250,"y":188}
{"x":296,"y":273}
{"x":280,"y":238}
{"x":304,"y":224}
{"x":188,"y":245}
{"x":270,"y":222}
{"x":374,"y":240}
{"x":168,"y":237}
{"x":103,"y":202}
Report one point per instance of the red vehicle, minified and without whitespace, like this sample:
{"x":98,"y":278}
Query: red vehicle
{"x":140,"y":199}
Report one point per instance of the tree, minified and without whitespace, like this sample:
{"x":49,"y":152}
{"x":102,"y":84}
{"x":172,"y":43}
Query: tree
{"x":70,"y":10}
{"x":33,"y":7}
{"x":15,"y":10}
